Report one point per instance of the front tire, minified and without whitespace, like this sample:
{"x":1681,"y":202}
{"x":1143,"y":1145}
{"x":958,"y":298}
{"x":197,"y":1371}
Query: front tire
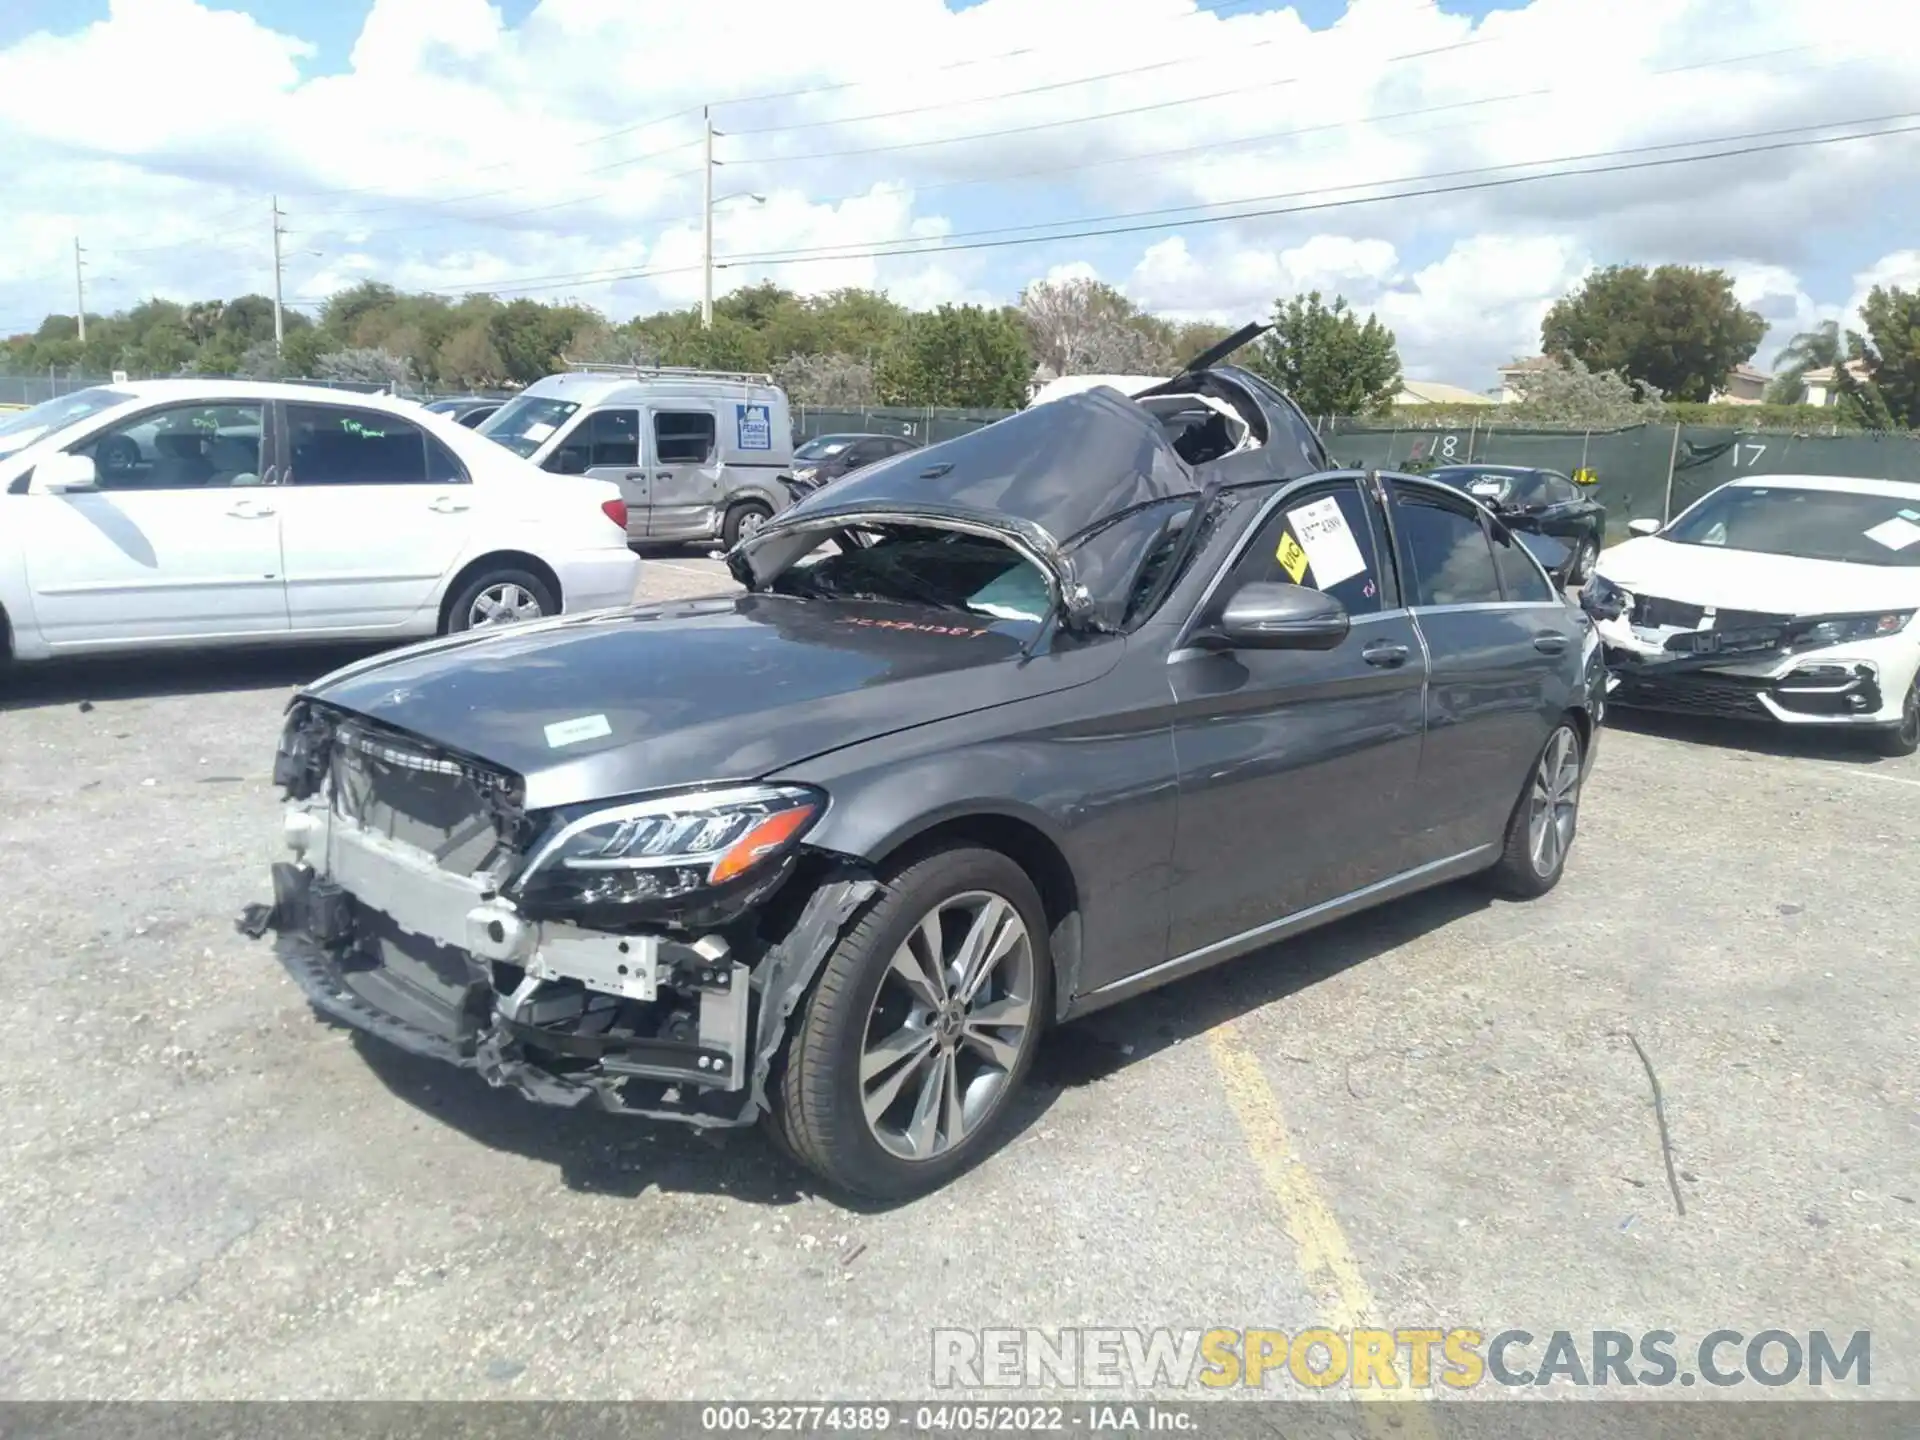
{"x":902,"y":1064}
{"x":1541,"y":829}
{"x":1899,"y":741}
{"x":742,"y":520}
{"x":505,"y":596}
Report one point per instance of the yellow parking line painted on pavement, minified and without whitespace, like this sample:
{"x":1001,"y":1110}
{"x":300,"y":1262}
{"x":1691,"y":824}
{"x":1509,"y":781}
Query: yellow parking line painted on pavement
{"x":1326,"y":1259}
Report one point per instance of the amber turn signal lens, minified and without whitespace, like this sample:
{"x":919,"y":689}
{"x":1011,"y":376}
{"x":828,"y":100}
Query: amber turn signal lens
{"x":761,"y":840}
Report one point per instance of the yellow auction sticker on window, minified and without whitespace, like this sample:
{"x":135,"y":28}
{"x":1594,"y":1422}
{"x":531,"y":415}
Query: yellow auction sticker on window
{"x":1292,"y":558}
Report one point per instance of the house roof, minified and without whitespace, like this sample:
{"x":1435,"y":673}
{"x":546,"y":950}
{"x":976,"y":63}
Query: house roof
{"x":1747,"y":372}
{"x":1825,"y":374}
{"x":1531,"y":362}
{"x":1437,"y":392}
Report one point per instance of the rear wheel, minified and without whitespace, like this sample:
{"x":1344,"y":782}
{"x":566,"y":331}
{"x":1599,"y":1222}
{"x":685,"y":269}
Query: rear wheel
{"x":1541,"y":829}
{"x":1904,"y":738}
{"x":902,"y":1062}
{"x":1585,"y":553}
{"x":743,"y":519}
{"x":500,"y":597}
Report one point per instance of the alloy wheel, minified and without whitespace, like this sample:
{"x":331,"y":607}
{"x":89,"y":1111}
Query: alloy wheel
{"x":503,"y":604}
{"x":750,"y":521}
{"x":947,"y":1026}
{"x":1553,"y":803}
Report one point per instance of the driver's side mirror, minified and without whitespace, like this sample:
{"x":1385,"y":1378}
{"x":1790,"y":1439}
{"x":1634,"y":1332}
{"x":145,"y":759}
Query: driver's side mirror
{"x":568,"y":462}
{"x":1266,"y":616}
{"x":63,"y":474}
{"x":1644,"y":526}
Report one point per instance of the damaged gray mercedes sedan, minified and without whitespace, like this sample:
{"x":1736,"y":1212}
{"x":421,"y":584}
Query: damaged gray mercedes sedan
{"x":1000,"y":732}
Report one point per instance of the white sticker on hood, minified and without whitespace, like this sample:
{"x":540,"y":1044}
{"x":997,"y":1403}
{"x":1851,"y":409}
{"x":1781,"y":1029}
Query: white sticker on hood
{"x":1895,"y":534}
{"x":572,"y":732}
{"x":537,"y":431}
{"x":1322,"y":531}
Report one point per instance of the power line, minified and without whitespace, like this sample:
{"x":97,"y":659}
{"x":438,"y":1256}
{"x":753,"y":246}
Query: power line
{"x":1026,"y":90}
{"x":1075,"y":119}
{"x":831,"y":251}
{"x":1337,"y":204}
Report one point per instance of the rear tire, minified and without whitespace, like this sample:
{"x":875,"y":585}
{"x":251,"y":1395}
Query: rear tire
{"x":508,"y":594}
{"x":901,"y":1045}
{"x":743,"y":519}
{"x":1541,"y":830}
{"x":1586,"y":555}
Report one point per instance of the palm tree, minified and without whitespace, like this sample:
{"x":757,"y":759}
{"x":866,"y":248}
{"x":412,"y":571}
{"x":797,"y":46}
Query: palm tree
{"x":1817,"y":349}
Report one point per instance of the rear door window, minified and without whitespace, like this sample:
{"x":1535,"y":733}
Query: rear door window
{"x":683,"y":437}
{"x":335,"y":445}
{"x":1520,"y":578}
{"x":1449,"y":560}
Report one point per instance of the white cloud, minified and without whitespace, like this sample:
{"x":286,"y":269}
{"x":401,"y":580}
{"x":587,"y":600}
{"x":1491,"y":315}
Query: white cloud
{"x":455,"y":151}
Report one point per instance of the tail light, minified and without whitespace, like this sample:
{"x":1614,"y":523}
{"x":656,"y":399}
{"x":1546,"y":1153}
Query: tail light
{"x":616,"y":511}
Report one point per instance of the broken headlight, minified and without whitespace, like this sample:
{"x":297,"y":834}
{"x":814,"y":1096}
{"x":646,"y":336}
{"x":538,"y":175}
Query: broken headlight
{"x":1602,"y":599}
{"x":1856,"y":627}
{"x":667,"y":853}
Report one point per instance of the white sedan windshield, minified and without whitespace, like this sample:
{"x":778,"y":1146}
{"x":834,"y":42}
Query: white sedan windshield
{"x":21,"y":429}
{"x":1849,"y":525}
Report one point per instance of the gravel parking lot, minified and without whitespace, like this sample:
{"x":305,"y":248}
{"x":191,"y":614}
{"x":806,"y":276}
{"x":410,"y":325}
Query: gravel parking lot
{"x":1431,"y":1115}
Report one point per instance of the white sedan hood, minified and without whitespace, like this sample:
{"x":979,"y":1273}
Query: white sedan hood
{"x":1749,"y":580}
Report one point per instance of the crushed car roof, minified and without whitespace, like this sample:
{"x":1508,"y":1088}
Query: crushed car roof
{"x":1049,"y":476}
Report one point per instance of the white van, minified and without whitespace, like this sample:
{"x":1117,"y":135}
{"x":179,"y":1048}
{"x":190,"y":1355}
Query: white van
{"x":698,"y":454}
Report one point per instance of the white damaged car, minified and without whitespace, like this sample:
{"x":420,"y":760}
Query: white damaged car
{"x":1788,"y":598}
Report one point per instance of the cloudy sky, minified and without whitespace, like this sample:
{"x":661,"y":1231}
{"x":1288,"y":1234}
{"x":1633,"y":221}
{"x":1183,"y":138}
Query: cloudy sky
{"x":1232,"y":151}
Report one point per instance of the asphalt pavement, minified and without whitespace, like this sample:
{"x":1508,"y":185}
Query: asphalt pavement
{"x":1433,"y":1115}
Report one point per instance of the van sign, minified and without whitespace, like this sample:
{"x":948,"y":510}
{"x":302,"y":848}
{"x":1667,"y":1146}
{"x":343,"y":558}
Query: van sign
{"x":755,"y":426}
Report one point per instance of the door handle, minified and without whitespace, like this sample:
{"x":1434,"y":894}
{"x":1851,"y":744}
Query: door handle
{"x":250,"y":510}
{"x":1548,"y":642}
{"x":635,"y":475}
{"x":446,"y":505}
{"x":663,"y":474}
{"x":1387,"y":654}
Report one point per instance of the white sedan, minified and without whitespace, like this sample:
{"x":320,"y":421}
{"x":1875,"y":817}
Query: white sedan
{"x":1788,"y":598}
{"x":197,"y":512}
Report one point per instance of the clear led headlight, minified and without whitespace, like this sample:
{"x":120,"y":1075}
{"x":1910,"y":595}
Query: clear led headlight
{"x":1856,"y":627}
{"x":666,"y":850}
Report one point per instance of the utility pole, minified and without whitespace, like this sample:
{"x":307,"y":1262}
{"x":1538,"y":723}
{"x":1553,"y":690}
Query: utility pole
{"x":279,"y":323}
{"x":80,"y":287}
{"x":706,"y":210}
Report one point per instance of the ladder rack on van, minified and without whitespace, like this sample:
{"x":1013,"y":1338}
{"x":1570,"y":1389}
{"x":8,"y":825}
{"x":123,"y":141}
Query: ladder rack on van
{"x":666,"y":372}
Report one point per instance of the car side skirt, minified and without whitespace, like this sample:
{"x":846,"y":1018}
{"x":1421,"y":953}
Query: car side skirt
{"x":1435,"y":872}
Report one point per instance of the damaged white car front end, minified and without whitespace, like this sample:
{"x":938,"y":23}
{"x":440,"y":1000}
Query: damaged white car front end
{"x":1810,"y":622}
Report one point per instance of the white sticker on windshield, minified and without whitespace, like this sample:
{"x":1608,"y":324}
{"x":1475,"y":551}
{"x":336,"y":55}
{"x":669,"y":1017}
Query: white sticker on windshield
{"x":1322,"y":531}
{"x":1486,"y":487}
{"x":537,"y":431}
{"x":572,"y":732}
{"x":1895,"y":534}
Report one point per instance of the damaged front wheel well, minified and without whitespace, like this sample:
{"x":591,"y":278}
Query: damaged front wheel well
{"x":1034,"y":852}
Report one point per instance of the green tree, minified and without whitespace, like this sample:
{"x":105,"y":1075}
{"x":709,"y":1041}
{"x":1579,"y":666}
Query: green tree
{"x":467,"y":358}
{"x":1571,"y":394}
{"x":1326,"y":358}
{"x":1818,"y":349}
{"x":958,"y":355}
{"x":1677,"y":327}
{"x":1888,"y":398}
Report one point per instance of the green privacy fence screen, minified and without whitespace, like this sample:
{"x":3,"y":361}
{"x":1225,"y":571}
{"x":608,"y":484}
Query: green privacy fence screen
{"x":1640,"y":471}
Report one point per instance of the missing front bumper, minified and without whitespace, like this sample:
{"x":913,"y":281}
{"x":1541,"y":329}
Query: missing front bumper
{"x":685,"y":1054}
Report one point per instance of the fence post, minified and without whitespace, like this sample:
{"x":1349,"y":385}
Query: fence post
{"x":1585,"y":436}
{"x":1673,"y":456}
{"x":1473,"y":432}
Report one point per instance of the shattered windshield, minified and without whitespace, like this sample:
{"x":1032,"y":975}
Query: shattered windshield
{"x":943,"y":571}
{"x":1846,"y":525}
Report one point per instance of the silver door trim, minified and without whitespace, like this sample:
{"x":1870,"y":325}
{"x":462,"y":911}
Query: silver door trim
{"x":1432,"y":871}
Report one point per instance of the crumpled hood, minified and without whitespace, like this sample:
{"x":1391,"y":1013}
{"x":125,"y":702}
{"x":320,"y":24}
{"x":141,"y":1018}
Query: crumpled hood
{"x":1748,"y":580}
{"x":613,"y":703}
